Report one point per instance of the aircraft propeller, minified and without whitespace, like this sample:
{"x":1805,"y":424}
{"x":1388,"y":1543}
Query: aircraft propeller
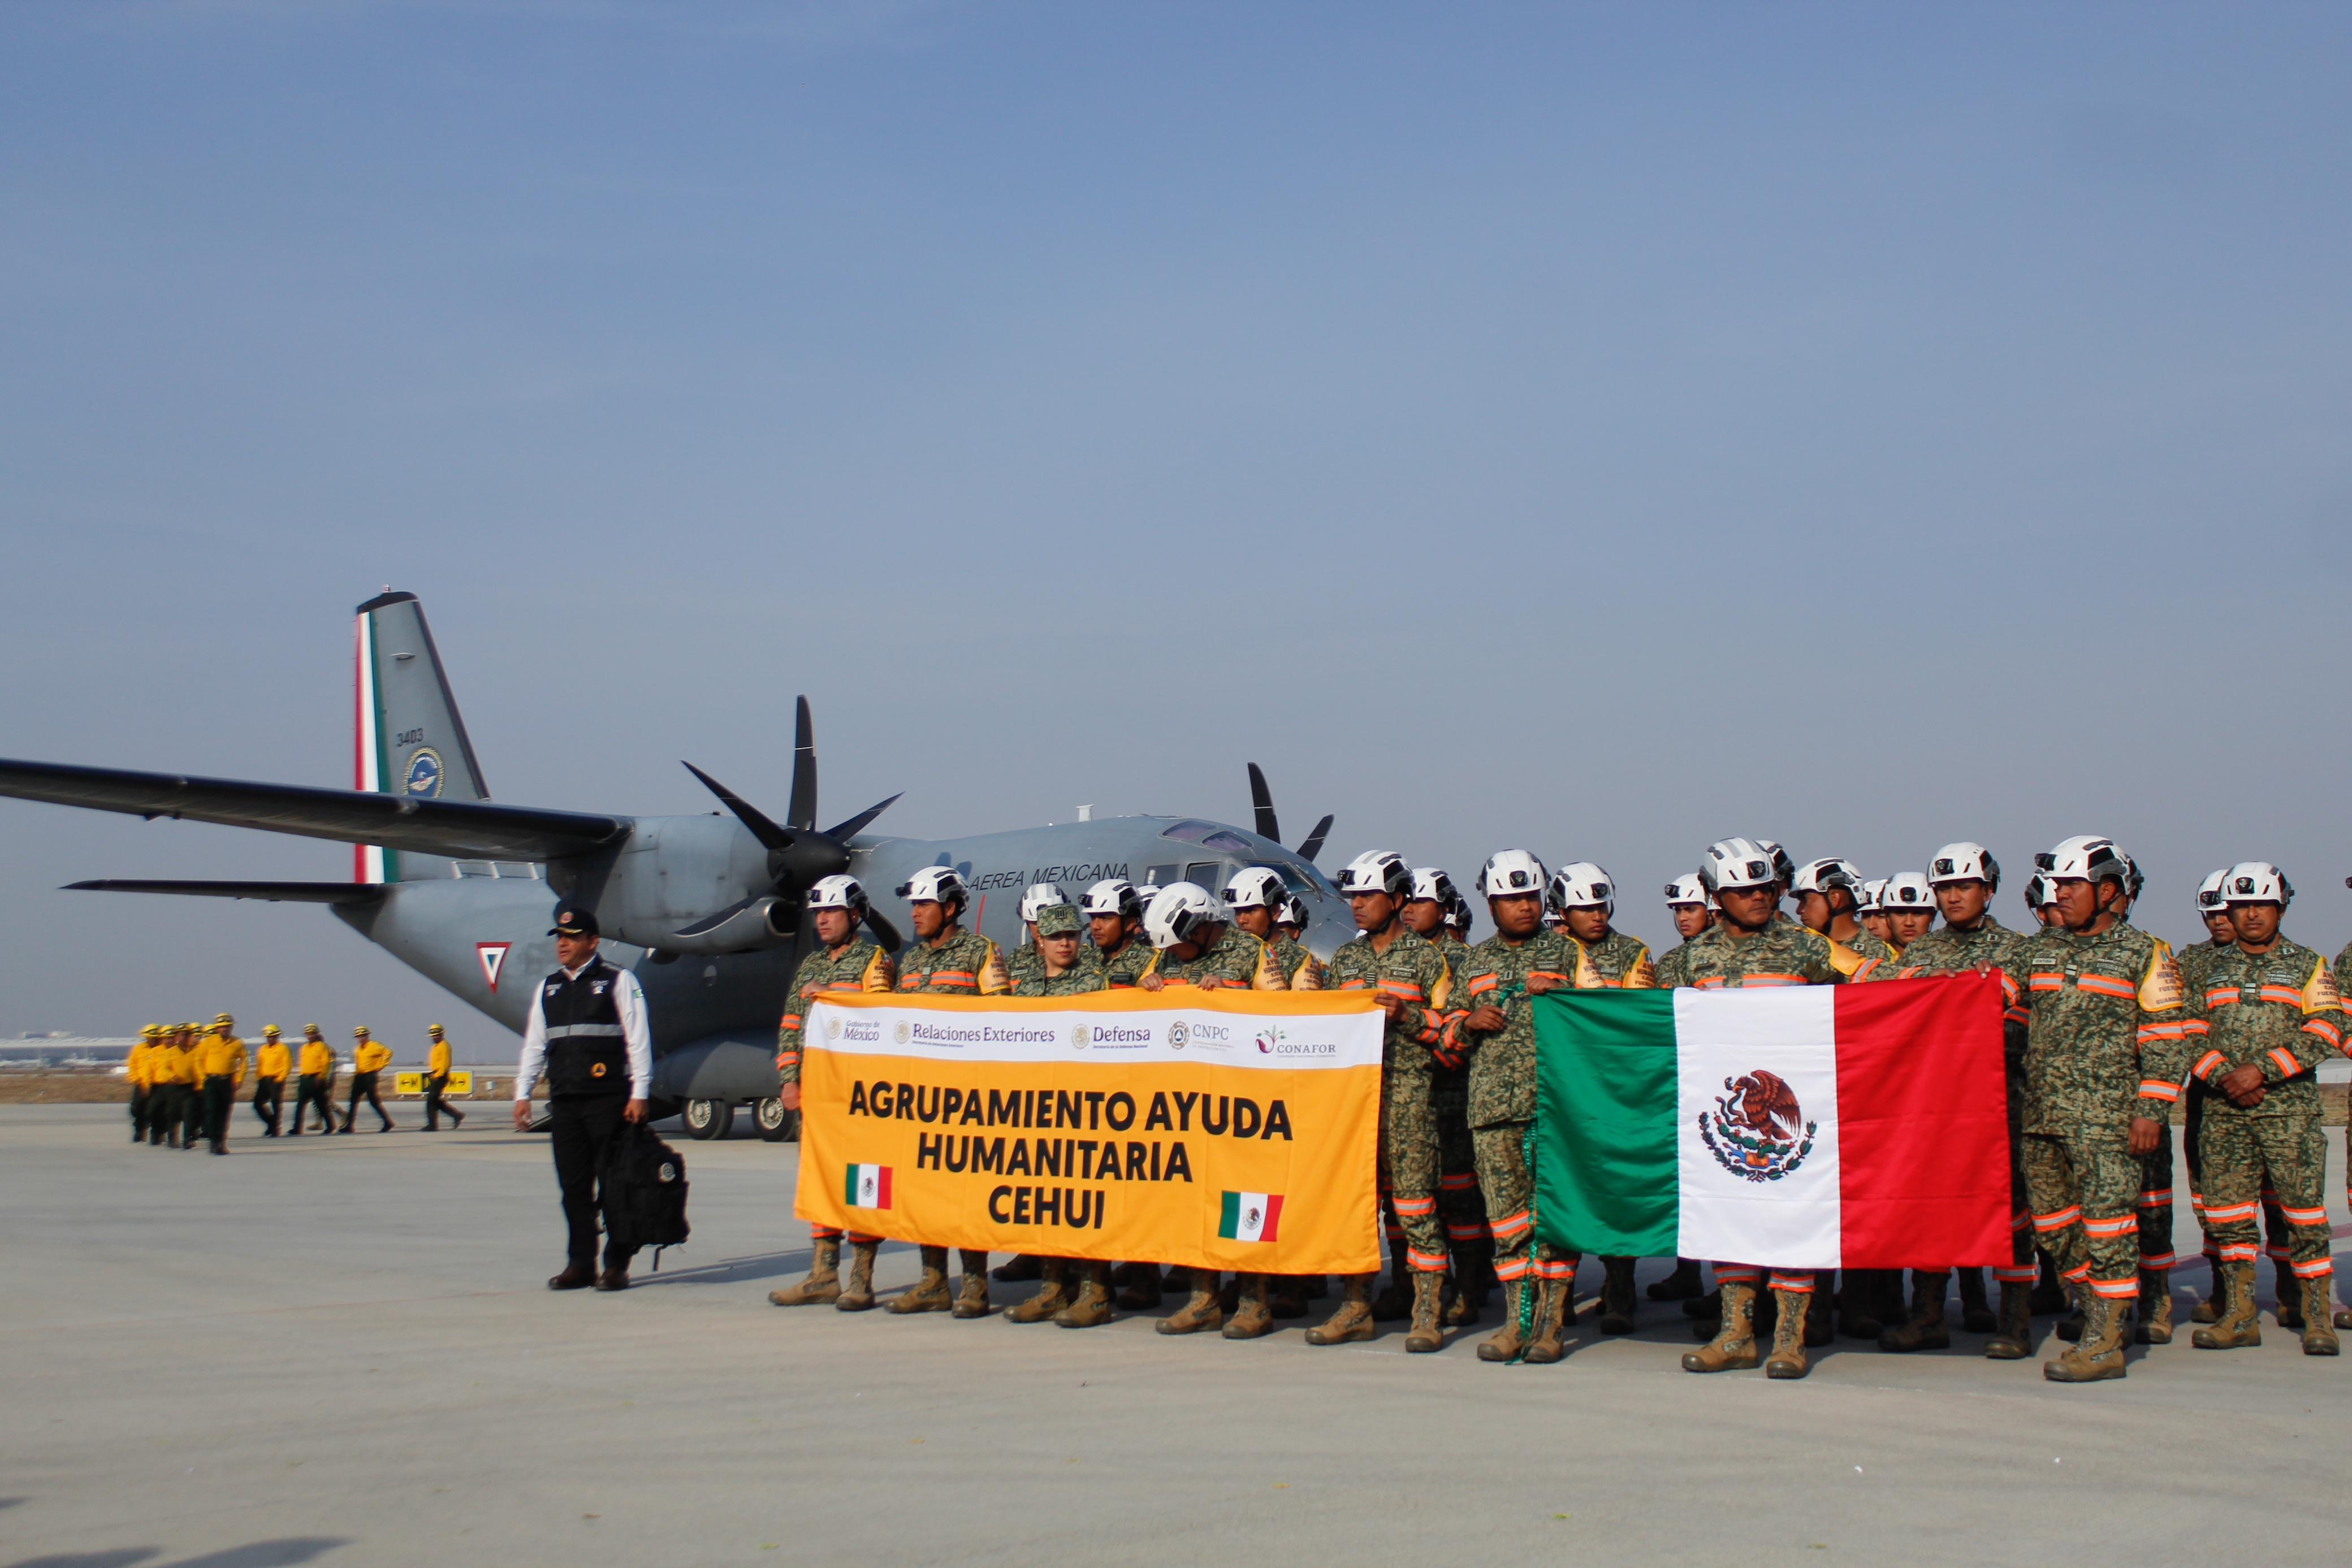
{"x":1262,"y":800}
{"x":798,"y":853}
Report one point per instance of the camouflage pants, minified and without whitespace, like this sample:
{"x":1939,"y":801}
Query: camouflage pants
{"x":1510,"y":1190}
{"x":2246,"y":1157}
{"x":2084,"y":1188}
{"x":2155,"y":1205}
{"x":2192,"y":1150}
{"x":2023,"y":1270}
{"x":1408,"y":1169}
{"x":1459,"y":1207}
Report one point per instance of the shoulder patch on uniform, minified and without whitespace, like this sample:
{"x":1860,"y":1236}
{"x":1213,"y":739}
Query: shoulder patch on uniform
{"x":2161,"y":987}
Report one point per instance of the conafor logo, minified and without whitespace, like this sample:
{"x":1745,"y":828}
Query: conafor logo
{"x":1267,"y":1039}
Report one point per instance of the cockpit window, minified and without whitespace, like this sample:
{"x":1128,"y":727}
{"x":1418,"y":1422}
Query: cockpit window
{"x":1300,"y":878}
{"x":1208,"y":835}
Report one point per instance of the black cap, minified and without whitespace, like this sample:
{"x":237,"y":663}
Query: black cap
{"x":574,"y":923}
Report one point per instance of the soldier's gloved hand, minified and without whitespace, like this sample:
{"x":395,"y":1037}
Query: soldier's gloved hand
{"x":1485,"y":1018}
{"x":2146,"y":1132}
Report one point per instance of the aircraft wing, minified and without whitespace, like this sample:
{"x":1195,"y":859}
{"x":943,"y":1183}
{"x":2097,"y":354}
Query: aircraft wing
{"x":274,"y":891}
{"x":465,"y":829}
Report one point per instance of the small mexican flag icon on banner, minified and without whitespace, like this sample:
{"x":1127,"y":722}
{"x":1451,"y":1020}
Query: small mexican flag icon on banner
{"x":1250,"y":1216}
{"x":866,"y":1187}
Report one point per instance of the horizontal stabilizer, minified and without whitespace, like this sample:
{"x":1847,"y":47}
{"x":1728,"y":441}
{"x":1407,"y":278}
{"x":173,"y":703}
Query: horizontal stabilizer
{"x":462,"y":830}
{"x":274,"y":891}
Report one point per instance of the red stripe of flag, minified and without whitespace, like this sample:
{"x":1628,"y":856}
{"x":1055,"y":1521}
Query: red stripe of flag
{"x":1273,"y":1217}
{"x":882,"y":1188}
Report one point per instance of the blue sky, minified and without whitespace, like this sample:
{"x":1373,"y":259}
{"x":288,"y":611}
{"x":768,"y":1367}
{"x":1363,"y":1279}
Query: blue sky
{"x":1595,"y":428}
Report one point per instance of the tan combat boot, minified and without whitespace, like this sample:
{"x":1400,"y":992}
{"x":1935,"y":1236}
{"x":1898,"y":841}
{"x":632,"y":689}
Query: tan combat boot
{"x":857,"y":1295}
{"x":1552,"y":1307}
{"x":930,"y":1292}
{"x":1428,"y":1300}
{"x":1924,"y":1329}
{"x":1353,"y":1321}
{"x":1253,"y":1314}
{"x":2155,"y":1323}
{"x":1789,"y":1336}
{"x":1199,"y":1312}
{"x":2318,"y":1318}
{"x":2239,"y":1323}
{"x":1617,"y":1295}
{"x":1051,"y":1297}
{"x":971,"y":1301}
{"x":1734,"y":1345}
{"x":2012,"y":1340}
{"x":823,"y":1281}
{"x":1091,"y":1305}
{"x":1395,"y":1299}
{"x":1505,"y":1344}
{"x":2098,"y":1355}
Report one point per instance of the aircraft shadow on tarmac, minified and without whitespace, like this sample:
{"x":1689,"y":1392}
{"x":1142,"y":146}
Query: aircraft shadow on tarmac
{"x":284,"y":1552}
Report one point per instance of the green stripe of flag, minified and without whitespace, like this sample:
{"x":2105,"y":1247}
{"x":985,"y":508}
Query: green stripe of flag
{"x":1229,"y":1221}
{"x":1604,"y":1137}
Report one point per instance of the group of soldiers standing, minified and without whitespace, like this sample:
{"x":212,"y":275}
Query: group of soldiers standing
{"x":185,"y":1079}
{"x":2105,"y":1029}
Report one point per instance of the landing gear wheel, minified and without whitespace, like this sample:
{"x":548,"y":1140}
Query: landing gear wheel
{"x":707,"y":1118}
{"x":776,"y":1124}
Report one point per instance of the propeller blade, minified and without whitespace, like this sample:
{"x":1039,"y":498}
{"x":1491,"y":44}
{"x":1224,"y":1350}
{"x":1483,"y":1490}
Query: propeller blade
{"x":856,"y":825}
{"x":802,"y":814}
{"x":1314,"y":842}
{"x":883,"y":931}
{"x":1262,"y":800}
{"x":712,"y":922}
{"x":770,"y":835}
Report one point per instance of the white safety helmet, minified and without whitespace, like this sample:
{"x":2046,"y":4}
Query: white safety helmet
{"x":837,"y":893}
{"x":1039,"y":895}
{"x":1292,"y":913}
{"x":1906,"y":890}
{"x":2208,"y":892}
{"x":2134,"y":878}
{"x":1581,"y":885}
{"x":1782,"y":866}
{"x":1735,"y":863}
{"x":934,"y":884}
{"x":1376,"y":871}
{"x":2088,"y":858}
{"x":2041,"y":891}
{"x":1868,"y":897}
{"x":1180,"y":911}
{"x":2258,"y":882}
{"x":1112,"y":895}
{"x":1255,"y":887}
{"x":1431,"y":883}
{"x":1459,"y":915}
{"x":1688,"y":890}
{"x":1511,"y":872}
{"x":1822,"y":875}
{"x":1964,"y":863}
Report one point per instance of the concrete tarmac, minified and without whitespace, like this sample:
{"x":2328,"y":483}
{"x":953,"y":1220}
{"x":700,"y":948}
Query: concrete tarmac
{"x":343,"y":1351}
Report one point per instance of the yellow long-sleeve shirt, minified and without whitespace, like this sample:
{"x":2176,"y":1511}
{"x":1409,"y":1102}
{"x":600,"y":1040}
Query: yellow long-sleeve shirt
{"x":371,"y":1056}
{"x":220,"y":1056}
{"x":317,"y":1059}
{"x":272,"y":1061}
{"x":171,"y":1065}
{"x":134,"y":1066}
{"x":437,"y":1060}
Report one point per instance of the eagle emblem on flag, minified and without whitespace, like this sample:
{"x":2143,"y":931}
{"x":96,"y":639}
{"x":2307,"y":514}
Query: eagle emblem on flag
{"x":1758,"y":1131}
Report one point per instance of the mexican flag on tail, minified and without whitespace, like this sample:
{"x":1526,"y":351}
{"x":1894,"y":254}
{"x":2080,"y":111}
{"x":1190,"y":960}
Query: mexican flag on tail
{"x":1858,"y":1126}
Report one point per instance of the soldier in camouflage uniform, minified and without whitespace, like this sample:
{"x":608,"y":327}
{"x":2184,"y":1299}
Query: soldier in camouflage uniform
{"x":1196,"y":944}
{"x":841,"y":961}
{"x":2269,"y":1013}
{"x":1692,"y":909}
{"x":2220,"y":935}
{"x":1601,"y":957}
{"x":945,"y":959}
{"x":1754,"y":946}
{"x":2157,"y":1257}
{"x":1965,"y":876}
{"x":1494,"y":1028}
{"x":1254,"y":897}
{"x":1065,"y":967}
{"x":1414,"y":987}
{"x":1114,"y":913}
{"x":1022,"y":963}
{"x":2106,"y":1037}
{"x":1460,"y":1210}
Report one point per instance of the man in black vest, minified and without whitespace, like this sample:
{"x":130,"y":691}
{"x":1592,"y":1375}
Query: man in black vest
{"x":587,"y":1029}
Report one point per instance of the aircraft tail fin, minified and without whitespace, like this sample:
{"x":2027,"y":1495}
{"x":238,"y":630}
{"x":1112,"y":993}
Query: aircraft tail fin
{"x":408,"y":737}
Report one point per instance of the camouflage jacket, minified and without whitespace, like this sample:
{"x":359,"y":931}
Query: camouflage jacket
{"x":2278,"y":1010}
{"x":1783,"y":954}
{"x":1302,"y":970}
{"x":1122,"y":969}
{"x":1616,"y":961}
{"x":1088,"y":973}
{"x":1413,"y":968}
{"x":1503,"y":1063}
{"x":1674,"y":969}
{"x":1449,"y":1074}
{"x":1239,"y":961}
{"x":1989,"y":947}
{"x":861,"y":967}
{"x":1024,"y":963}
{"x":2196,"y":962}
{"x":2108,"y":1030}
{"x":1886,"y":960}
{"x":966,"y":965}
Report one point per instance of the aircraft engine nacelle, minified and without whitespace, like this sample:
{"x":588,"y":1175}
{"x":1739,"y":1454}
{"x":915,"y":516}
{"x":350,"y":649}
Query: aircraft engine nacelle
{"x":759,"y":923}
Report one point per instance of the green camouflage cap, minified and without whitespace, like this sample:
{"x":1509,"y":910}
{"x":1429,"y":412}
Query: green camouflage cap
{"x":1058,"y":920}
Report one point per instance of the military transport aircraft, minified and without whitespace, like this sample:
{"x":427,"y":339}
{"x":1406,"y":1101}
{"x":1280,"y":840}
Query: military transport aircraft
{"x":705,"y":909}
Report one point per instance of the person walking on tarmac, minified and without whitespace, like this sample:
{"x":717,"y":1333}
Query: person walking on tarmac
{"x":270,"y":1067}
{"x":368,"y":1057}
{"x":314,"y":1080}
{"x":220,"y":1064}
{"x":587,"y":1028}
{"x":437,"y":1083}
{"x":137,"y":1068}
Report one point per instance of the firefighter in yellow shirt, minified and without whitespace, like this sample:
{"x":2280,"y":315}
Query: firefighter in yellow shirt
{"x":315,"y":1082}
{"x":436,"y":1079}
{"x":270,"y":1065}
{"x":220,"y":1061}
{"x":188,"y":1086}
{"x":368,"y":1057}
{"x":135,"y":1069}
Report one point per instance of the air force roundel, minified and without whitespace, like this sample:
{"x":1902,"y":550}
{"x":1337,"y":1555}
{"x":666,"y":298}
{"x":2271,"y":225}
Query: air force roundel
{"x":424,"y":772}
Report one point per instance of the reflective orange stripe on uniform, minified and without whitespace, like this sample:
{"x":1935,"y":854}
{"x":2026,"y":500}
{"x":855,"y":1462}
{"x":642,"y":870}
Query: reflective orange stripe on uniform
{"x":2107,"y":986}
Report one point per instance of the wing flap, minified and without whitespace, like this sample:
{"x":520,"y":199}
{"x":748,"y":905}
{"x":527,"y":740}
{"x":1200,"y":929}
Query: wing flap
{"x":274,"y":891}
